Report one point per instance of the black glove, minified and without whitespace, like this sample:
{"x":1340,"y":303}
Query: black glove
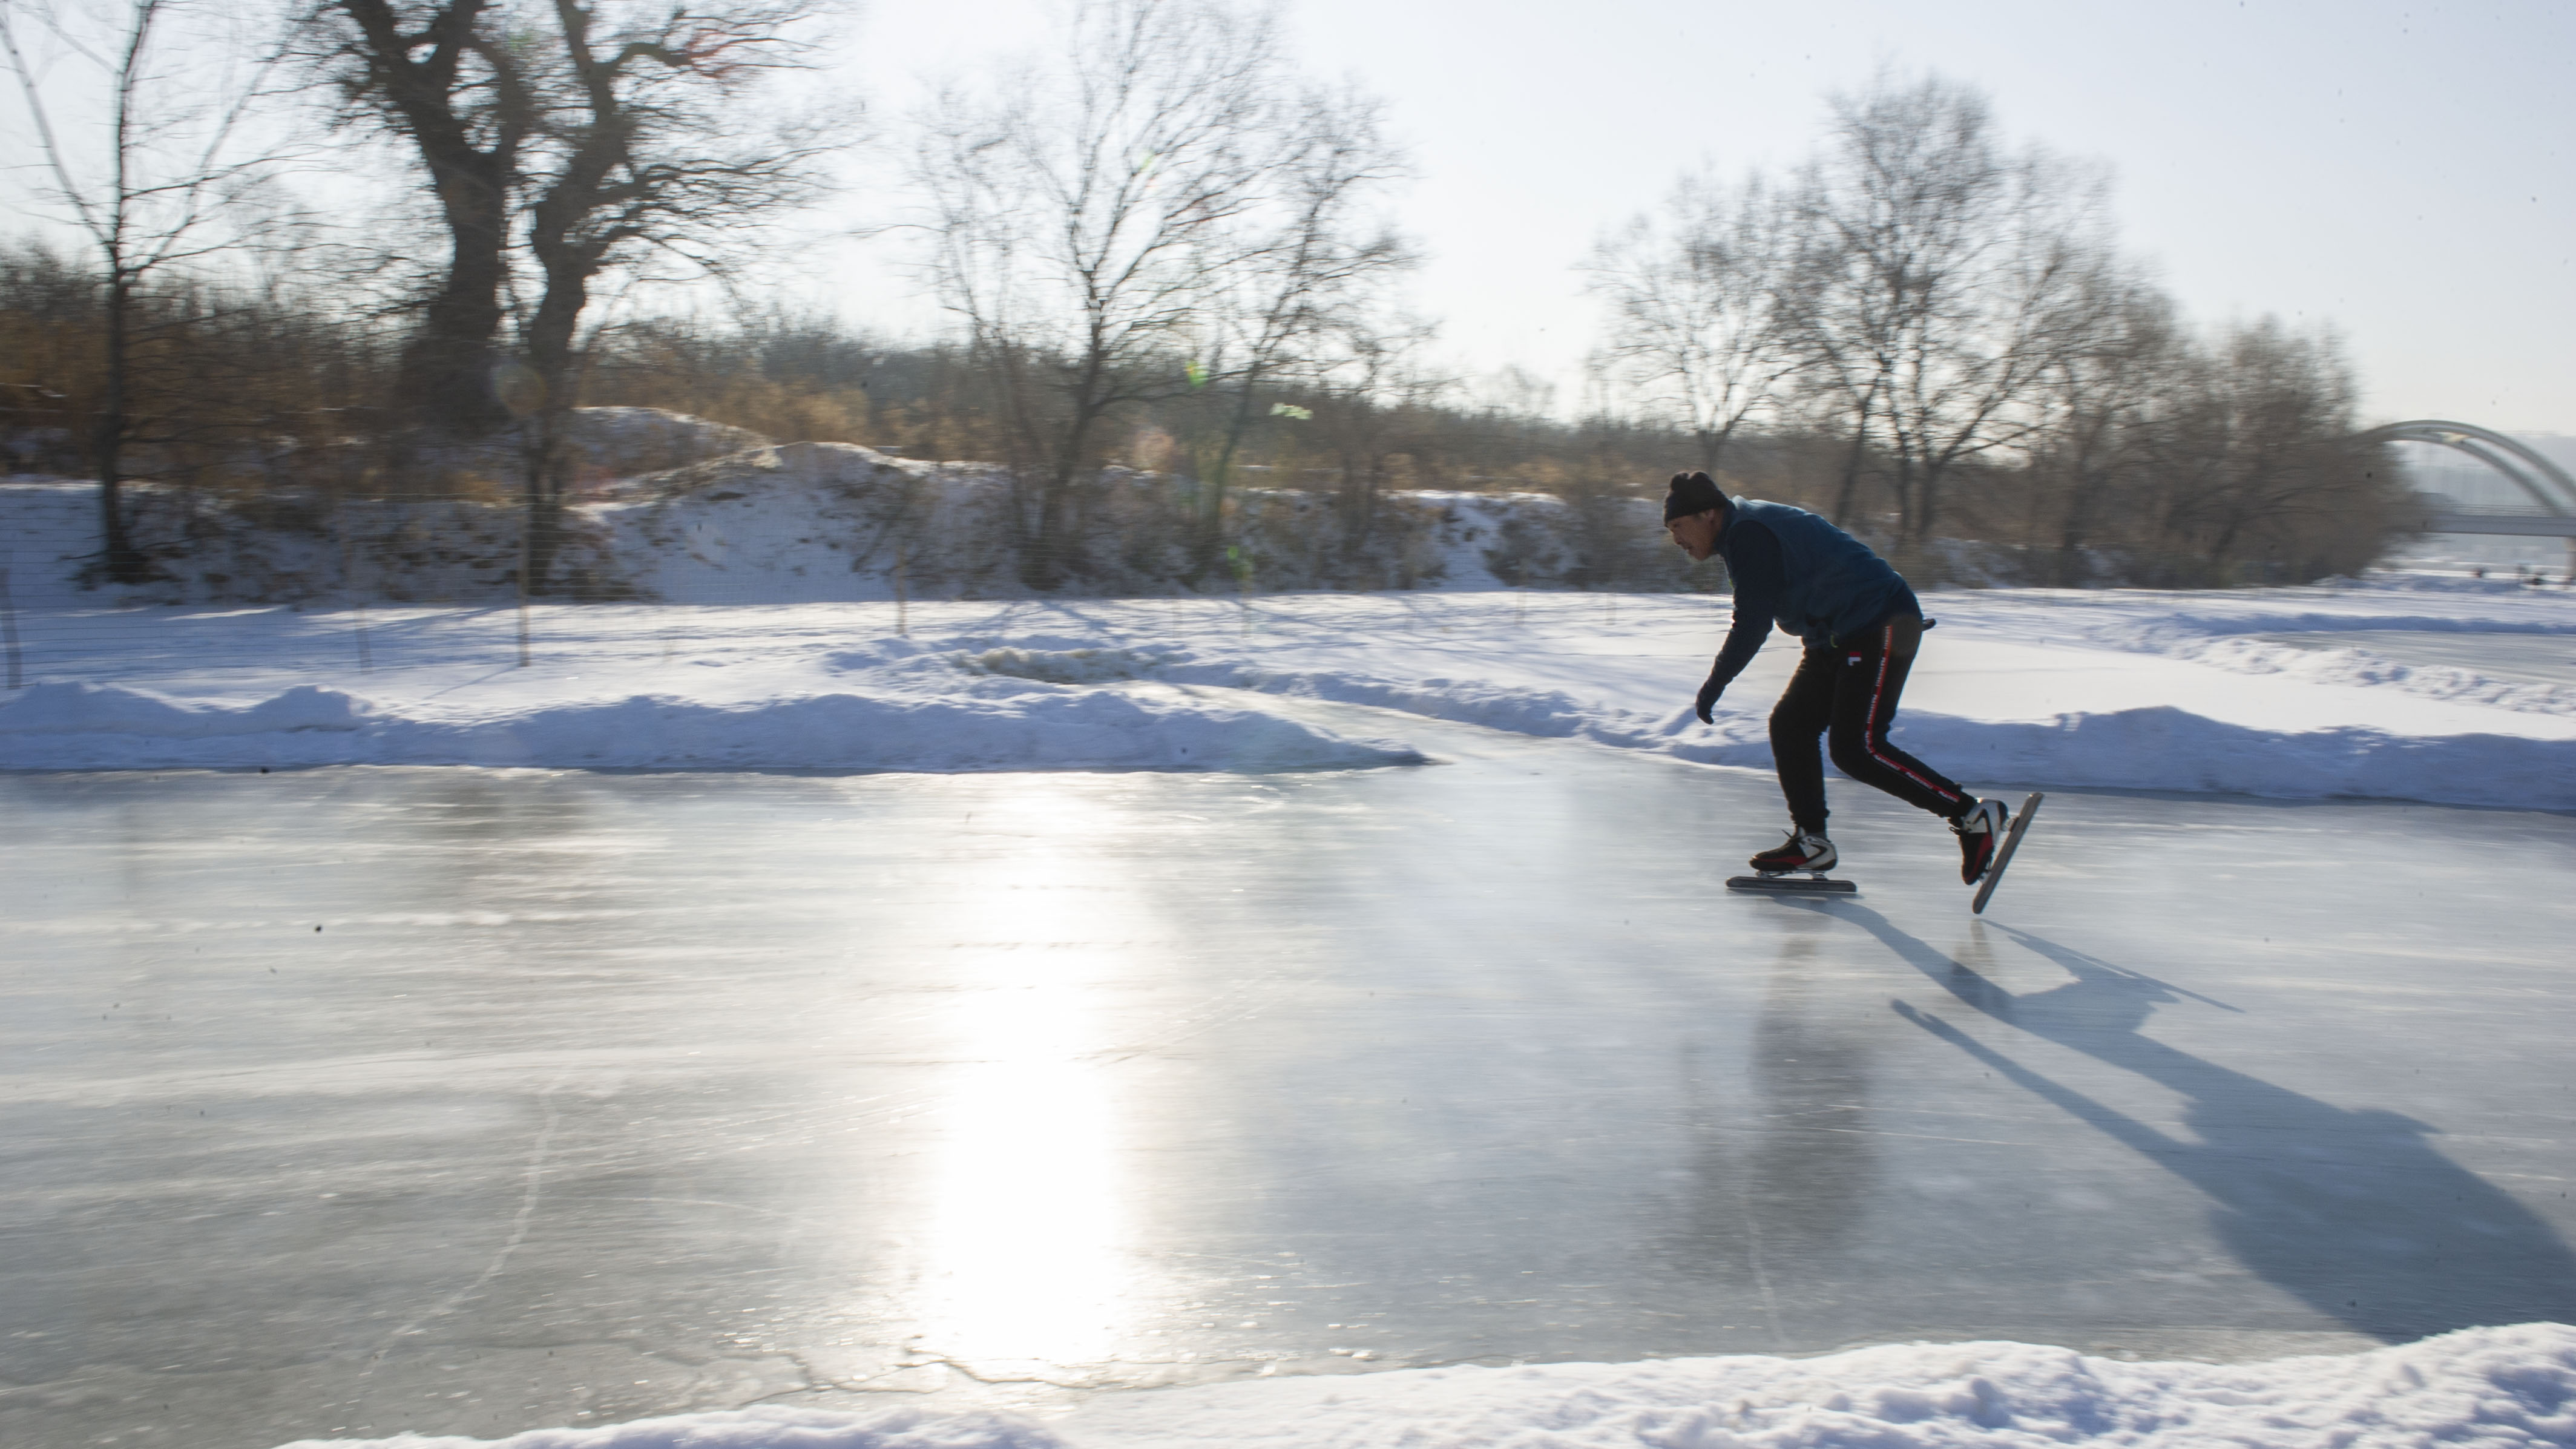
{"x":1707,"y":700}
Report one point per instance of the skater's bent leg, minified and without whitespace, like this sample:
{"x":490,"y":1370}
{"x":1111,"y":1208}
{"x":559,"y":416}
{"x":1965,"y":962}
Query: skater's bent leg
{"x":1805,"y":709}
{"x":1870,"y":679}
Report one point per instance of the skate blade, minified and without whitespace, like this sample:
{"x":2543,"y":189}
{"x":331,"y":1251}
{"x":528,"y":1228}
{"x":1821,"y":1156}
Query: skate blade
{"x":1792,"y":885}
{"x":2012,"y":842}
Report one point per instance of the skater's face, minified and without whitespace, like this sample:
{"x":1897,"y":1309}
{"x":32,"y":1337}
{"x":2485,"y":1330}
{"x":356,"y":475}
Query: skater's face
{"x":1696,"y":533}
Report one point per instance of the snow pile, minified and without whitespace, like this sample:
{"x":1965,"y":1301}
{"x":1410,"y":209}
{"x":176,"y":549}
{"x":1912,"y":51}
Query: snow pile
{"x":2450,"y":690}
{"x":86,"y":726}
{"x":2164,"y":748}
{"x":106,"y":709}
{"x":2357,"y":664}
{"x":2480,"y":1387}
{"x":1060,"y":666}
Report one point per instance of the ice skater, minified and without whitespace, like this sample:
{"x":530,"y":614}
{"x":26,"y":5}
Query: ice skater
{"x":1861,"y":625}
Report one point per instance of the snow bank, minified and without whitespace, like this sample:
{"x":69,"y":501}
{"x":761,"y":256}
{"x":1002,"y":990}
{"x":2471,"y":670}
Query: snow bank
{"x":1984,"y":708}
{"x":2173,"y":749}
{"x":2421,"y":688}
{"x":85,"y":726}
{"x":92,"y":709}
{"x":2486,"y":1387}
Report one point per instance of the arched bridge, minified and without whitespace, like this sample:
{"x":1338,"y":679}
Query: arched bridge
{"x":2547,"y":484}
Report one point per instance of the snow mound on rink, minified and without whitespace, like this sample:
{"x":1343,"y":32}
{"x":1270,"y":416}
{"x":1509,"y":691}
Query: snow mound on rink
{"x":78,"y":708}
{"x":2372,"y":690}
{"x":85,"y":726}
{"x":2484,"y":1387}
{"x":2172,"y":749}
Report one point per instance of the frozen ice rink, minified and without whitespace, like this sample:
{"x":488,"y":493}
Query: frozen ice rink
{"x":351,"y":1101}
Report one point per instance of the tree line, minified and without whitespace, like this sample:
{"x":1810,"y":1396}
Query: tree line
{"x":1160,"y":246}
{"x":1958,"y":315}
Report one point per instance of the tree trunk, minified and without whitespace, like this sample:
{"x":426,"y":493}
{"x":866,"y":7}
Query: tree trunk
{"x":544,"y":499}
{"x":552,"y":356}
{"x":1928,"y":494}
{"x":125,"y":563}
{"x":446,"y":368}
{"x":1905,"y":505}
{"x":2074,"y":527}
{"x":1363,"y":474}
{"x":1043,"y":565}
{"x":1212,"y":496}
{"x":1847,"y":497}
{"x":2084,"y":487}
{"x":445,"y":372}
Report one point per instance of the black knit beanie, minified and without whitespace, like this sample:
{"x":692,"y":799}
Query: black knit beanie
{"x":1692,"y":493}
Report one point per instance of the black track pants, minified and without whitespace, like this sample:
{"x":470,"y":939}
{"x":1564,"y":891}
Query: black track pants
{"x":1852,"y":692}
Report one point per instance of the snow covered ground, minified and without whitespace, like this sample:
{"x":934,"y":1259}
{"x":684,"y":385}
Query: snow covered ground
{"x":2297,"y":693}
{"x":2480,"y":1387}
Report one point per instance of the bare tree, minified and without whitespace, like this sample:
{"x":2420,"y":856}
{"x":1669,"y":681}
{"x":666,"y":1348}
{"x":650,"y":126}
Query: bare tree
{"x":175,"y":150}
{"x":1938,"y":280}
{"x":1696,"y":321}
{"x":2102,"y":398}
{"x":642,"y":152}
{"x":610,"y":128}
{"x":2257,"y":462}
{"x":1080,"y":225}
{"x":1314,"y":265}
{"x":1841,"y":330}
{"x":1371,"y":392}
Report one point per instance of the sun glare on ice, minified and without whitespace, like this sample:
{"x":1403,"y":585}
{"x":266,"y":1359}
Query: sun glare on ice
{"x":1028,"y":1243}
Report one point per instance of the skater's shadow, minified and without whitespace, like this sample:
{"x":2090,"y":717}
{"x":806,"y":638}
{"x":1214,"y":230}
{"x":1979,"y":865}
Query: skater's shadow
{"x":2351,"y":1210}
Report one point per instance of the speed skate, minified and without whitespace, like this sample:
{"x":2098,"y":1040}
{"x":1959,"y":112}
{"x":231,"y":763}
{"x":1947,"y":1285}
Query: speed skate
{"x":1796,"y":866}
{"x":2012,"y":842}
{"x":1792,"y":883}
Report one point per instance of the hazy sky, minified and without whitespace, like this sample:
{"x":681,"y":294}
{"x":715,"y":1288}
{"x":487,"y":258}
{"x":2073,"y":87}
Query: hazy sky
{"x":2400,"y":171}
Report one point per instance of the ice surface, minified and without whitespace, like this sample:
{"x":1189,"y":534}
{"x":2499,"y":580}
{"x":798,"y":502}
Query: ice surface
{"x":602,"y":1097}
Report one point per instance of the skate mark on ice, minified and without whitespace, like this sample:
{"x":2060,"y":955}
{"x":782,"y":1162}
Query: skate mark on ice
{"x":520,"y":1222}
